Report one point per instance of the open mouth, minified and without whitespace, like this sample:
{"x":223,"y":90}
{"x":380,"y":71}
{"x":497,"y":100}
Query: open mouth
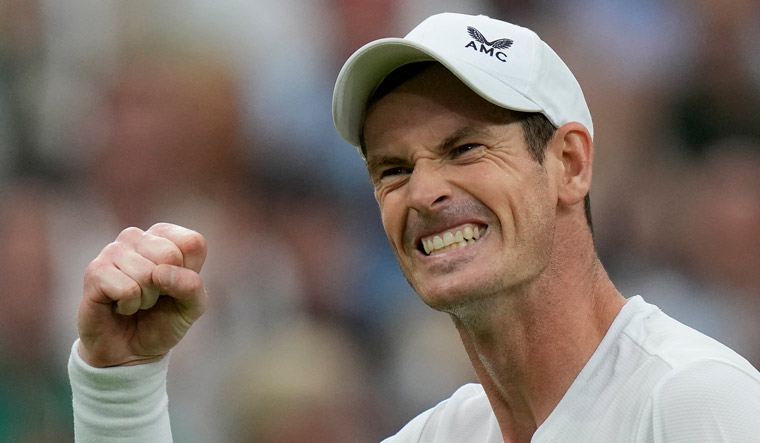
{"x":458,"y":237}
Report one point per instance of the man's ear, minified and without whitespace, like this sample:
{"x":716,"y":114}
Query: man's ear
{"x":573,"y":146}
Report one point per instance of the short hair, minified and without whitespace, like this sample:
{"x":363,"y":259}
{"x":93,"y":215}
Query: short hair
{"x":537,"y":129}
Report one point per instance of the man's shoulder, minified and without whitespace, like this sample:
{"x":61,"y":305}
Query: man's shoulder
{"x":698,"y":387}
{"x":465,"y":415}
{"x":705,"y":379}
{"x":707,"y":398}
{"x":677,"y":345}
{"x":653,"y":374}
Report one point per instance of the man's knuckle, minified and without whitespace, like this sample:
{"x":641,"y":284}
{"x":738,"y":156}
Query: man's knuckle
{"x":196,"y":288}
{"x":130,"y":289}
{"x":95,"y":268}
{"x":171,"y":256}
{"x":193,"y":242}
{"x":130,"y":233}
{"x":158,"y":227}
{"x":143,"y":276}
{"x":113,"y":249}
{"x":194,"y":284}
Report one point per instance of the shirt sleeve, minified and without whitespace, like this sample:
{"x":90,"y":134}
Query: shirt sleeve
{"x":707,"y":402}
{"x":119,"y":404}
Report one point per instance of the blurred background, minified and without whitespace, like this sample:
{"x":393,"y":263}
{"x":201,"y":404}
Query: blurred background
{"x":216,"y":115}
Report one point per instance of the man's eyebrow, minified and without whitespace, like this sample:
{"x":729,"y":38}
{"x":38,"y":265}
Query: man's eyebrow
{"x":456,"y":137}
{"x":379,"y":161}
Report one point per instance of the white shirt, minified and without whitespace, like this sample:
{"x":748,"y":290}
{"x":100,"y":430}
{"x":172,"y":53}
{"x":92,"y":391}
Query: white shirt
{"x":651,"y":380}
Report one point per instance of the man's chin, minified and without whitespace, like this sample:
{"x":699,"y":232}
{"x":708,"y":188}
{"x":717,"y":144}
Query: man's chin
{"x":456,"y":295}
{"x":448,"y":297}
{"x":452,"y":283}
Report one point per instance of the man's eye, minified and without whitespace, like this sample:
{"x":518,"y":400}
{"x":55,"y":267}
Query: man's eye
{"x":459,"y":150}
{"x":390,"y":172}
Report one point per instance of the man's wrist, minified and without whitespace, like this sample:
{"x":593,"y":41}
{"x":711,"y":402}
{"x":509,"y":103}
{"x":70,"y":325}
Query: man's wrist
{"x":120,"y":401}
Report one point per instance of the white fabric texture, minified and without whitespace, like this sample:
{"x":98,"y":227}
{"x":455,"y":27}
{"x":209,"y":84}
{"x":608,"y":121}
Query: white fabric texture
{"x":119,"y":404}
{"x":651,"y":380}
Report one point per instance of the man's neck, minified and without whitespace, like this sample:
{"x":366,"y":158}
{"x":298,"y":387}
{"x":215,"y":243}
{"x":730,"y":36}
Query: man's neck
{"x":528,"y":346}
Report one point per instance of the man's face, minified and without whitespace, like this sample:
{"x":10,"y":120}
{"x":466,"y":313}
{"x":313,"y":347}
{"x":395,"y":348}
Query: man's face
{"x":447,"y":167}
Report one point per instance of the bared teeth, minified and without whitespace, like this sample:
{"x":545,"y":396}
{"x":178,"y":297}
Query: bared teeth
{"x":451,"y":239}
{"x":448,"y":239}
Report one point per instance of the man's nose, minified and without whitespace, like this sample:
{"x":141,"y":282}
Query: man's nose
{"x":429,"y":190}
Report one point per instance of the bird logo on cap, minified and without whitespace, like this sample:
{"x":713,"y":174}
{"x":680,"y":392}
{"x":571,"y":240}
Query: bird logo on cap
{"x":502,"y":43}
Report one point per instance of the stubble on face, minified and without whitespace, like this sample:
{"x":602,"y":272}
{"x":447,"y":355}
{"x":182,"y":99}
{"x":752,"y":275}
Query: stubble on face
{"x":523,"y":256}
{"x":505,"y":189}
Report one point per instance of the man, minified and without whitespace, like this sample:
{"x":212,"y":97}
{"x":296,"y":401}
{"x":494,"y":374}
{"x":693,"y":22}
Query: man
{"x":478,"y":142}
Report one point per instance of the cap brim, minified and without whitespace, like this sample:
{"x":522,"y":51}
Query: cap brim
{"x":368,"y":66}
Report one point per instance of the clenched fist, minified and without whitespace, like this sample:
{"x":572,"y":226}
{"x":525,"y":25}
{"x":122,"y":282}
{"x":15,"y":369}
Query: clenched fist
{"x":141,"y":294}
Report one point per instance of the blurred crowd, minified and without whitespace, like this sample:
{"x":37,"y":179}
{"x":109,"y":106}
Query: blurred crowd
{"x":216,"y":116}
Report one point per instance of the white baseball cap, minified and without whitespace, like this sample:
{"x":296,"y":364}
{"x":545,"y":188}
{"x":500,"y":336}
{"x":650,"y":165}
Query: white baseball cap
{"x":505,"y":64}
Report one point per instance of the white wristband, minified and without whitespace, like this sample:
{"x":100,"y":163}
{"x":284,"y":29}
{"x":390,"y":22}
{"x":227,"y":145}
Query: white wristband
{"x":119,"y":404}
